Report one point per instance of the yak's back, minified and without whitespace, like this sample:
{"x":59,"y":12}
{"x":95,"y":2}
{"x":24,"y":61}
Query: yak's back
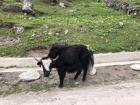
{"x":72,"y":54}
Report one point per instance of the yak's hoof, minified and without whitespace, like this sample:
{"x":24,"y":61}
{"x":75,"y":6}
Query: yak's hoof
{"x":75,"y":78}
{"x":84,"y":80}
{"x":46,"y":75}
{"x":60,"y":86}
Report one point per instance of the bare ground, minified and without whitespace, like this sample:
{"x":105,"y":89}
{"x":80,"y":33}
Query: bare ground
{"x":105,"y":75}
{"x":114,"y":85}
{"x":39,"y":51}
{"x":120,"y":94}
{"x":8,"y":41}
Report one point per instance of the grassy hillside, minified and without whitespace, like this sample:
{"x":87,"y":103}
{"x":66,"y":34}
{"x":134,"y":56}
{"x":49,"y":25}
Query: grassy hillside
{"x":87,"y":21}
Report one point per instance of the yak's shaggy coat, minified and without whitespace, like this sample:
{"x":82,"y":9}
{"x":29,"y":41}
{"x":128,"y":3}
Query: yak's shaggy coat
{"x":70,"y":59}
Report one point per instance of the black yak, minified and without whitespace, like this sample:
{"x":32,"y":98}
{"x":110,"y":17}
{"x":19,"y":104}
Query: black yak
{"x":68,"y":59}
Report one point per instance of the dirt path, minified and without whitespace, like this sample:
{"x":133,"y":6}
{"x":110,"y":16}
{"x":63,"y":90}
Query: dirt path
{"x":120,"y":94}
{"x":97,"y":90}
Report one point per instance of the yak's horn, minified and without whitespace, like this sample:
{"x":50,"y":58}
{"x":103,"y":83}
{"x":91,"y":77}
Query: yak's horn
{"x":36,"y":59}
{"x":56,"y":58}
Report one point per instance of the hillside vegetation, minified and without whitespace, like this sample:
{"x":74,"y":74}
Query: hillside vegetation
{"x":83,"y":21}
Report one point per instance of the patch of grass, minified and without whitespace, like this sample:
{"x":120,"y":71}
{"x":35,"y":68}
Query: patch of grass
{"x":7,"y":89}
{"x":89,"y":22}
{"x":40,"y":87}
{"x":12,"y":89}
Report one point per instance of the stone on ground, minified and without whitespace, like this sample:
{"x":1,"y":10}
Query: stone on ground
{"x":12,"y":8}
{"x":29,"y":75}
{"x":18,"y":29}
{"x":61,"y":4}
{"x":135,"y":66}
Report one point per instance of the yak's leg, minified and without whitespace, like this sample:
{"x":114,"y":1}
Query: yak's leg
{"x":77,"y":74}
{"x":61,"y":77}
{"x":84,"y":74}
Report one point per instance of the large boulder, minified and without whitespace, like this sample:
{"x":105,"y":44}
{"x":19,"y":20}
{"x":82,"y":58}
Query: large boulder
{"x":12,"y":8}
{"x":29,"y":75}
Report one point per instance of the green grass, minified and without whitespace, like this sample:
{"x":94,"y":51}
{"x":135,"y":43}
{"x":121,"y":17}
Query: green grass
{"x":8,"y":89}
{"x":14,"y":89}
{"x":39,"y":87}
{"x":89,"y":22}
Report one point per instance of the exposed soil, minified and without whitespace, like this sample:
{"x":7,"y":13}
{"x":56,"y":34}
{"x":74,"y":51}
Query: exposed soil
{"x":119,"y":94}
{"x":105,"y":75}
{"x":8,"y":25}
{"x":39,"y":51}
{"x":8,"y":41}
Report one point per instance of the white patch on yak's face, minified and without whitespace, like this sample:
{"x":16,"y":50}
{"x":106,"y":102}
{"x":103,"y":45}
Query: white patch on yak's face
{"x":47,"y":63}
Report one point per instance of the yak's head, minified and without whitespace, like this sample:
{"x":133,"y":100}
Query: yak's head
{"x":49,"y":62}
{"x":47,"y":65}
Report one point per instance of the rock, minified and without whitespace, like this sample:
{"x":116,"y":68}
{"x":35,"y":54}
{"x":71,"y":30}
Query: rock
{"x":135,"y":67}
{"x":29,"y":75}
{"x":56,"y":33}
{"x":76,"y":83}
{"x":121,"y":24}
{"x":66,"y":32}
{"x":37,"y":35}
{"x":12,"y":8}
{"x":61,"y":4}
{"x":110,"y":3}
{"x":50,"y":33}
{"x":27,"y":5}
{"x":18,"y":29}
{"x":125,"y":6}
{"x":28,"y":8}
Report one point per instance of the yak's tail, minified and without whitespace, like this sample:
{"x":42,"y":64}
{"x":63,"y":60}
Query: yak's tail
{"x":91,"y":67}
